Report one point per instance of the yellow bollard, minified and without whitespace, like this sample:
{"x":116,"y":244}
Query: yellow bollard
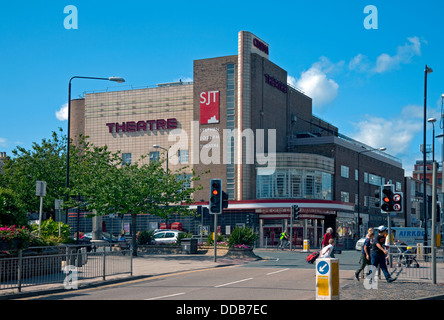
{"x":327,"y":279}
{"x":306,"y":247}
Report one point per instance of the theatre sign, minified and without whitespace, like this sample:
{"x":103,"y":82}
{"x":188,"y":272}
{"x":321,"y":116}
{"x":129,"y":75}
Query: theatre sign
{"x":149,"y":125}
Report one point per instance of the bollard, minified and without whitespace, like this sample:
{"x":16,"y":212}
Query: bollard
{"x":306,"y":247}
{"x":327,"y":279}
{"x":420,"y":251}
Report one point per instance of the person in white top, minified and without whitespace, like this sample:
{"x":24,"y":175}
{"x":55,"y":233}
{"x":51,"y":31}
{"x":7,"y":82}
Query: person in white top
{"x":328,"y":250}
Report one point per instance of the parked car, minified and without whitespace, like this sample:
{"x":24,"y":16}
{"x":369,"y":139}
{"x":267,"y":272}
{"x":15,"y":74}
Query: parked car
{"x":360,"y":244}
{"x":166,"y":236}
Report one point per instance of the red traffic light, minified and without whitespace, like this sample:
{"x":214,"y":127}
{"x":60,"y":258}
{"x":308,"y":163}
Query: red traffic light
{"x":215,"y":192}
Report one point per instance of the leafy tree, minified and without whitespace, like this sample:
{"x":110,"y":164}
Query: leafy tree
{"x":45,"y":161}
{"x":10,"y":213}
{"x":108,"y":186}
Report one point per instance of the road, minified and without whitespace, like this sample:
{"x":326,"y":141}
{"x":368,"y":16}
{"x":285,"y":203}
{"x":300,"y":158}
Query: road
{"x":280,"y":276}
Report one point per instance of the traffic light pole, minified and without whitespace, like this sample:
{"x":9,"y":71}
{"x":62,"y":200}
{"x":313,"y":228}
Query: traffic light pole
{"x":215,"y":237}
{"x":291,"y":228}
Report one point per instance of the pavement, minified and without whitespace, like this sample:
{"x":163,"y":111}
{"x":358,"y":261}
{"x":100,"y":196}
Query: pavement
{"x":145,"y":266}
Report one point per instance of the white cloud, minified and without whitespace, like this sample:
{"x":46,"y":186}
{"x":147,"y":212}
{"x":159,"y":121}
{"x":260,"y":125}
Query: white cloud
{"x":3,"y":142}
{"x":315,"y":83}
{"x":62,"y":113}
{"x":395,"y":134}
{"x":386,"y":62}
{"x":398,"y":133}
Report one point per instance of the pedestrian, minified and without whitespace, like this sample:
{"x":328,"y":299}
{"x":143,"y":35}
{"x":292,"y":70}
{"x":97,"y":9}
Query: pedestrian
{"x":284,"y":240}
{"x":327,"y":251}
{"x":378,"y":253}
{"x":366,"y":252}
{"x":328,"y":235}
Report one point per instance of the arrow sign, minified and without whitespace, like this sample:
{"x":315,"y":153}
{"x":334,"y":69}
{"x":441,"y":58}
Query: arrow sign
{"x":323,"y":267}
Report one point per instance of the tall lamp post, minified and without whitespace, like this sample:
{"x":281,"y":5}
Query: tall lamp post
{"x":115,"y":79}
{"x":427,"y":70}
{"x":166,"y":150}
{"x":359,"y":188}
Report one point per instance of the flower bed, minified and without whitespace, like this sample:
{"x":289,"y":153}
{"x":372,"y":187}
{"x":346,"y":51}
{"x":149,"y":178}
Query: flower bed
{"x":13,"y":238}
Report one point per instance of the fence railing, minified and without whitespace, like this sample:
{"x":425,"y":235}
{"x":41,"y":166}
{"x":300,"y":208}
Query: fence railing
{"x":62,"y":264}
{"x":412,"y":263}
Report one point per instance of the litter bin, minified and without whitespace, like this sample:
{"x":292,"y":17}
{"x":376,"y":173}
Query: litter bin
{"x":189,"y":245}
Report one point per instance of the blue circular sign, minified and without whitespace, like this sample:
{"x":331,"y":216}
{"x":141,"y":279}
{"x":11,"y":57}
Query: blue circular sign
{"x":323,"y":267}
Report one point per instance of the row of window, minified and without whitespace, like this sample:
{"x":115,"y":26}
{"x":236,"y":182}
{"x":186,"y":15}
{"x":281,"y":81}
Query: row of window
{"x":368,"y":178}
{"x":183,"y":157}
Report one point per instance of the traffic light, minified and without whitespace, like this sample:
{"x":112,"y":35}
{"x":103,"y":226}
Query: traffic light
{"x":215,"y":196}
{"x":387,"y":198}
{"x":224,"y":200}
{"x":377,"y":198}
{"x":248,"y":220}
{"x":295,"y":211}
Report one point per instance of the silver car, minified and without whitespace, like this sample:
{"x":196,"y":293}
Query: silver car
{"x":167,"y":236}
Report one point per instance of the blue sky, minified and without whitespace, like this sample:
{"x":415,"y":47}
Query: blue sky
{"x":369,"y":83}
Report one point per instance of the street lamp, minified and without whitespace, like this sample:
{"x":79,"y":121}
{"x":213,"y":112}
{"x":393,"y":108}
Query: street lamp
{"x":359,"y":188}
{"x":166,"y":150}
{"x":115,"y":79}
{"x":427,"y":70}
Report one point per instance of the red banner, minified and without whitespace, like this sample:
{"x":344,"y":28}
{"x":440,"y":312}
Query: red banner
{"x":209,"y":107}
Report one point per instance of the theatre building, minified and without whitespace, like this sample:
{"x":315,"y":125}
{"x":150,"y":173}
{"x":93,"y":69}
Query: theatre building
{"x":241,"y":120}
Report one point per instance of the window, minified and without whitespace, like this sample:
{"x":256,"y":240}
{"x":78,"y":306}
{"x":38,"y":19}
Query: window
{"x":154,"y":156}
{"x":356,"y":174}
{"x":126,"y":158}
{"x":374,"y":179}
{"x":345,"y":171}
{"x":183,"y":156}
{"x":345,"y":196}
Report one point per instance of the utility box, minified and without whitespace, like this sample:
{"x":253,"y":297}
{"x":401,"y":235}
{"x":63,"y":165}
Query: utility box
{"x":327,"y":279}
{"x":189,"y":245}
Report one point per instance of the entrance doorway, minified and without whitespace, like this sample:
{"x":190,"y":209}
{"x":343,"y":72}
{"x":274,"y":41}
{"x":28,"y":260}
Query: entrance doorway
{"x":271,"y":236}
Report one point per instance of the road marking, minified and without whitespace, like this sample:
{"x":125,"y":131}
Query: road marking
{"x":274,"y":272}
{"x":168,"y":296}
{"x":227,"y":284}
{"x":124,"y":282}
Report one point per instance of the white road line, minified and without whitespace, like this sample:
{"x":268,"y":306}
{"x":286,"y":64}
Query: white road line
{"x":168,"y":296}
{"x":227,"y":284}
{"x":274,"y":272}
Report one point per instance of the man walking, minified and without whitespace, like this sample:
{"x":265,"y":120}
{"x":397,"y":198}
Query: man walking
{"x":379,"y":253}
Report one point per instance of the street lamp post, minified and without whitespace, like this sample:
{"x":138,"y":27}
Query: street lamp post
{"x":115,"y":79}
{"x":166,"y":150}
{"x":359,"y":188}
{"x":426,"y":72}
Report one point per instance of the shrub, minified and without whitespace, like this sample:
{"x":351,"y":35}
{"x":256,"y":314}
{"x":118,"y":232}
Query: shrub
{"x":242,"y":237}
{"x":49,"y":233}
{"x":145,"y":237}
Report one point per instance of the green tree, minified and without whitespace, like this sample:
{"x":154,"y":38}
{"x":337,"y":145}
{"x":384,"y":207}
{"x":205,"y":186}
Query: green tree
{"x":10,"y":213}
{"x":45,"y":161}
{"x":108,"y":186}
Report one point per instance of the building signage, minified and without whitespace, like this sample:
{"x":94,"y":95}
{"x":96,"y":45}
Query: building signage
{"x":149,"y":125}
{"x":260,"y":45}
{"x":209,"y":107}
{"x":275,"y":83}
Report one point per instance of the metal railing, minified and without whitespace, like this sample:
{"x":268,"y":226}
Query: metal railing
{"x":412,"y":263}
{"x":62,"y":264}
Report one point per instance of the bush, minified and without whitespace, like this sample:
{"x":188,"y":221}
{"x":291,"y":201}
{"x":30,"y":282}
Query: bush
{"x":210,"y":241}
{"x":49,"y":233}
{"x":145,"y":237}
{"x":242,"y":238}
{"x":184,"y":235}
